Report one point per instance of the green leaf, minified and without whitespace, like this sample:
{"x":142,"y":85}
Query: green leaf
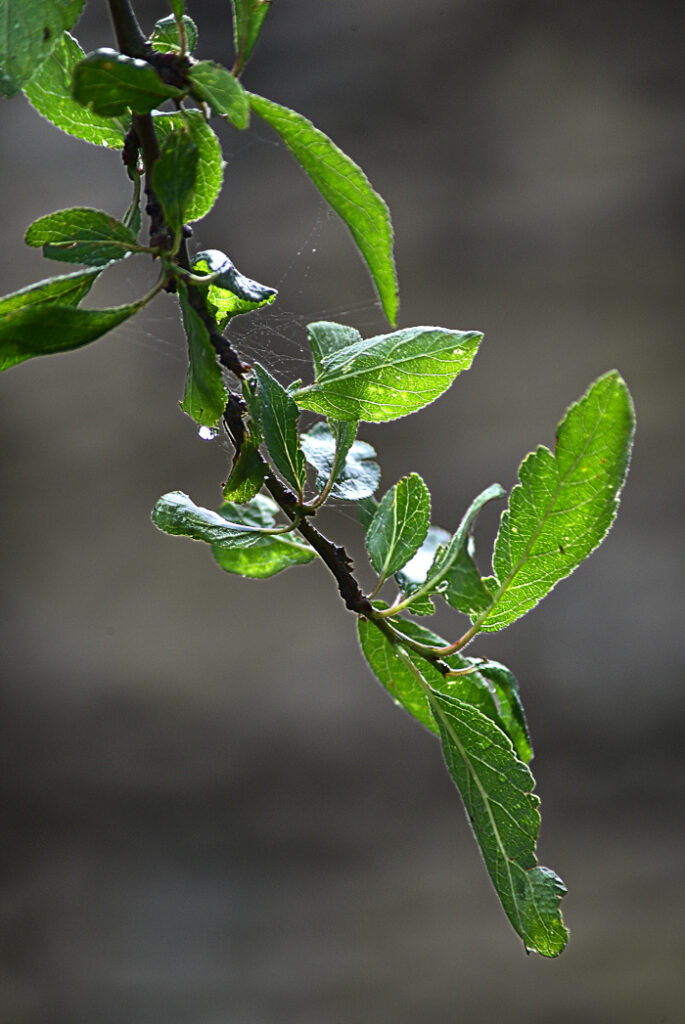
{"x":81,"y":235}
{"x":410,"y":578}
{"x":402,"y":683}
{"x":448,"y":557}
{"x":335,"y":452}
{"x":399,"y":526}
{"x":176,"y":514}
{"x":210,"y":166}
{"x":49,"y":92}
{"x":205,"y":392}
{"x":231,"y":292}
{"x":279,"y":416}
{"x":366,"y":510}
{"x":66,"y":290}
{"x":345,"y":186}
{"x":178,"y":7}
{"x":497,"y":790}
{"x":565,"y":503}
{"x":248,"y":16}
{"x":165,"y":39}
{"x":270,"y":554}
{"x":511,"y":714}
{"x":388,"y":376}
{"x":109,"y":83}
{"x":40,"y":330}
{"x":463,"y":588}
{"x":247,"y":475}
{"x":173,"y":178}
{"x":29,"y":29}
{"x":214,"y":84}
{"x":326,"y":338}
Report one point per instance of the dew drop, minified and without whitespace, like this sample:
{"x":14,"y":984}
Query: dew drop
{"x":206,"y":433}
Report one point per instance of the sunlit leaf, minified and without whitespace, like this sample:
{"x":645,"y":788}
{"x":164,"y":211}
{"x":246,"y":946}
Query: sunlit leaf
{"x":210,"y":167}
{"x":216,"y":86}
{"x":110,"y":83}
{"x":81,"y":235}
{"x":29,"y":30}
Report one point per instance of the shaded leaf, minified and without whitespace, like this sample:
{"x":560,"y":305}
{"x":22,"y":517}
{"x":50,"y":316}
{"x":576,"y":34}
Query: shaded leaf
{"x":511,"y":712}
{"x":215,"y":85}
{"x":337,"y":452}
{"x":248,"y":16}
{"x":29,"y":30}
{"x":414,"y":573}
{"x":399,"y":526}
{"x":231,"y":293}
{"x":279,"y":416}
{"x":247,"y":475}
{"x":210,"y":168}
{"x":173,"y":177}
{"x":164,"y":36}
{"x":326,"y":338}
{"x":40,"y":330}
{"x":565,"y":503}
{"x":389,"y":376}
{"x":270,"y":554}
{"x":366,"y":510}
{"x":345,"y":186}
{"x":49,"y":92}
{"x":205,"y":392}
{"x":109,"y":83}
{"x":463,"y":587}
{"x":81,"y":235}
{"x":65,"y":290}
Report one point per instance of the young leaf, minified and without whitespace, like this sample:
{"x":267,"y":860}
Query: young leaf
{"x":333,"y":451}
{"x":345,"y":186}
{"x":210,"y":168}
{"x":173,"y":177}
{"x":109,"y":83}
{"x":399,"y":526}
{"x":279,"y":416}
{"x":164,"y":36}
{"x":565,"y":503}
{"x":247,"y":475}
{"x":205,"y":392}
{"x":176,"y":514}
{"x":270,"y":554}
{"x":497,"y":790}
{"x":248,"y":16}
{"x":40,"y":330}
{"x":402,"y":683}
{"x":463,"y":587}
{"x":29,"y":29}
{"x":81,"y":235}
{"x":215,"y":85}
{"x":49,"y":91}
{"x":66,"y":290}
{"x":326,"y":338}
{"x":178,"y":7}
{"x":231,"y":292}
{"x":388,"y":376}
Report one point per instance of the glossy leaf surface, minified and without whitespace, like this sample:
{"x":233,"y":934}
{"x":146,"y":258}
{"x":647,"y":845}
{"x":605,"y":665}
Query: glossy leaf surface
{"x":345,"y":186}
{"x":177,"y":514}
{"x":210,"y":168}
{"x":279,"y":416}
{"x":164,"y":36}
{"x":336,"y":452}
{"x":29,"y":29}
{"x":399,"y":526}
{"x":389,"y":376}
{"x":49,"y":92}
{"x":81,"y":235}
{"x":325,"y":338}
{"x":44,"y":329}
{"x":565,"y":503}
{"x":497,"y":790}
{"x":173,"y":177}
{"x":270,"y":554}
{"x":231,"y":292}
{"x":247,"y":475}
{"x":511,"y":714}
{"x":65,"y":290}
{"x":216,"y":86}
{"x":205,"y":392}
{"x":109,"y":83}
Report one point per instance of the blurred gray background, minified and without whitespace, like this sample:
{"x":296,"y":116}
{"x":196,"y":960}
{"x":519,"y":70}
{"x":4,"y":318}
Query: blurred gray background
{"x":213,"y":813}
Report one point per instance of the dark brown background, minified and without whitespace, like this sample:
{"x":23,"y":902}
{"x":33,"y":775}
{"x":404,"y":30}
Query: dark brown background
{"x":213,"y":812}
